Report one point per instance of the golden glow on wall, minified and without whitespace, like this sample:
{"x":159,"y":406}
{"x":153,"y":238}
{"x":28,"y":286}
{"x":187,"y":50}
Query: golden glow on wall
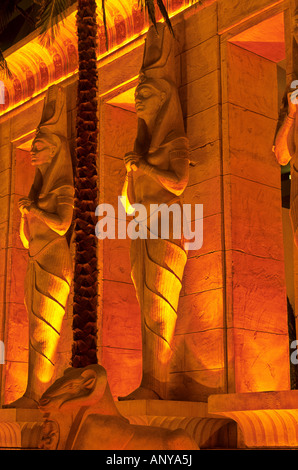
{"x":35,"y":68}
{"x":265,"y":39}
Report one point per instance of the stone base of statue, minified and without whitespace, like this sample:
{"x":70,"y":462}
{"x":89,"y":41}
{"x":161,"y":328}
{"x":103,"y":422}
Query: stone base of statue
{"x":256,"y":420}
{"x":24,"y":429}
{"x":20,"y":428}
{"x":260,"y":420}
{"x":77,"y":412}
{"x":209,"y":431}
{"x":265,"y":419}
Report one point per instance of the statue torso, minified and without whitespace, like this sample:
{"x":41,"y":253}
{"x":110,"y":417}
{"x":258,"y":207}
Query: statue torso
{"x":147,"y":190}
{"x":40,"y":233}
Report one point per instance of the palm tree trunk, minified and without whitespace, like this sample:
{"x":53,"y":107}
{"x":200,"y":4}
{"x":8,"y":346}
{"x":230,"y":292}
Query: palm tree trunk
{"x":84,"y":350}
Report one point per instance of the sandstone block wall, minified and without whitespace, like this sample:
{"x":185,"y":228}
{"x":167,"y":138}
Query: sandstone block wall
{"x":231,"y":333}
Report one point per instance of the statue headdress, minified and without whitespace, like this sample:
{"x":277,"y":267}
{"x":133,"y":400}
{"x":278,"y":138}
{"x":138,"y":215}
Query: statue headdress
{"x":158,"y":70}
{"x":158,"y":57}
{"x":53,"y":129}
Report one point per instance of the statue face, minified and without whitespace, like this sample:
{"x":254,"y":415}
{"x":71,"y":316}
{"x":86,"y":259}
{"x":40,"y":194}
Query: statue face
{"x":148,"y":101}
{"x":42,"y":152}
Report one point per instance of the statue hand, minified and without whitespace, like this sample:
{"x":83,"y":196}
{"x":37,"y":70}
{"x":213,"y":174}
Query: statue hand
{"x":292,"y":106}
{"x":24,"y":205}
{"x":131,"y":160}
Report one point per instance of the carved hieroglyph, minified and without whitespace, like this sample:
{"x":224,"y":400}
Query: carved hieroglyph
{"x":157,"y":173}
{"x":46,"y":218}
{"x":80,"y":414}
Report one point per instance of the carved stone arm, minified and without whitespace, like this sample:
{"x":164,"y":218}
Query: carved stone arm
{"x":59,"y":222}
{"x":175,"y":179}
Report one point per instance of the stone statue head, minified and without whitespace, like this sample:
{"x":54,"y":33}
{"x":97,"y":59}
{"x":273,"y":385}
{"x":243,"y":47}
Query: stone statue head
{"x":149,"y":99}
{"x":79,"y":387}
{"x":44,"y":148}
{"x":75,"y":388}
{"x":68,"y":397}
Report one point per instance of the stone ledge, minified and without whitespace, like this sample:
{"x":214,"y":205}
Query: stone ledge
{"x":208,"y":430}
{"x":20,"y":428}
{"x":18,"y":435}
{"x":163,"y":407}
{"x":12,"y":415}
{"x":266,"y":419}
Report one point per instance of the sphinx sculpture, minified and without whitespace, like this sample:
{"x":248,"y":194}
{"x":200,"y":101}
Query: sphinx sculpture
{"x":46,"y":218}
{"x":157,"y":173}
{"x":80,"y":414}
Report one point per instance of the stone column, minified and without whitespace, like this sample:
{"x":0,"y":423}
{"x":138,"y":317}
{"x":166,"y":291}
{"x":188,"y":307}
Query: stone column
{"x":256,"y":306}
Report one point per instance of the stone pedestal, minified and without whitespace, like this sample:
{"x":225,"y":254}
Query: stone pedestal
{"x":266,"y":419}
{"x":209,"y":430}
{"x":20,"y":428}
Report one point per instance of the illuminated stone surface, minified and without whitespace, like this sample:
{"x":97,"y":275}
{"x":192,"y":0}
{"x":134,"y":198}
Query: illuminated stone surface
{"x":46,"y":217}
{"x":81,"y":415}
{"x":20,"y":429}
{"x":157,"y":173}
{"x":208,"y":430}
{"x":234,"y":290}
{"x":266,"y":420}
{"x":35,"y":67}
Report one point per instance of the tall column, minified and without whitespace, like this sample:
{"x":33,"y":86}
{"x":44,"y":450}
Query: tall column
{"x":256,"y":306}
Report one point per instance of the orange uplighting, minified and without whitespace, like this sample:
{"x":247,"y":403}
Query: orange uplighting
{"x":35,"y":67}
{"x":265,"y":39}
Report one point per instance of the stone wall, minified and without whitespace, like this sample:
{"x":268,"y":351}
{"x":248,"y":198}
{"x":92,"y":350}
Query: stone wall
{"x":231,"y":331}
{"x":119,"y":315}
{"x":256,"y":294}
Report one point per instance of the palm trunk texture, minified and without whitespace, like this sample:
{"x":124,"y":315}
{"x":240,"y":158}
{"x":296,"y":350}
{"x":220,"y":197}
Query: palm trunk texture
{"x":84,"y":349}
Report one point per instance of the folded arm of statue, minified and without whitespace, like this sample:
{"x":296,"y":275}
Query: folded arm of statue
{"x":284,"y":147}
{"x":174,"y":179}
{"x":59,"y":221}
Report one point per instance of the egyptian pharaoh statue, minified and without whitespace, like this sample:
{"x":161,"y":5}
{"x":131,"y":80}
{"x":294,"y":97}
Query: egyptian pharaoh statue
{"x":46,"y":218}
{"x":157,"y":173}
{"x":285,"y":141}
